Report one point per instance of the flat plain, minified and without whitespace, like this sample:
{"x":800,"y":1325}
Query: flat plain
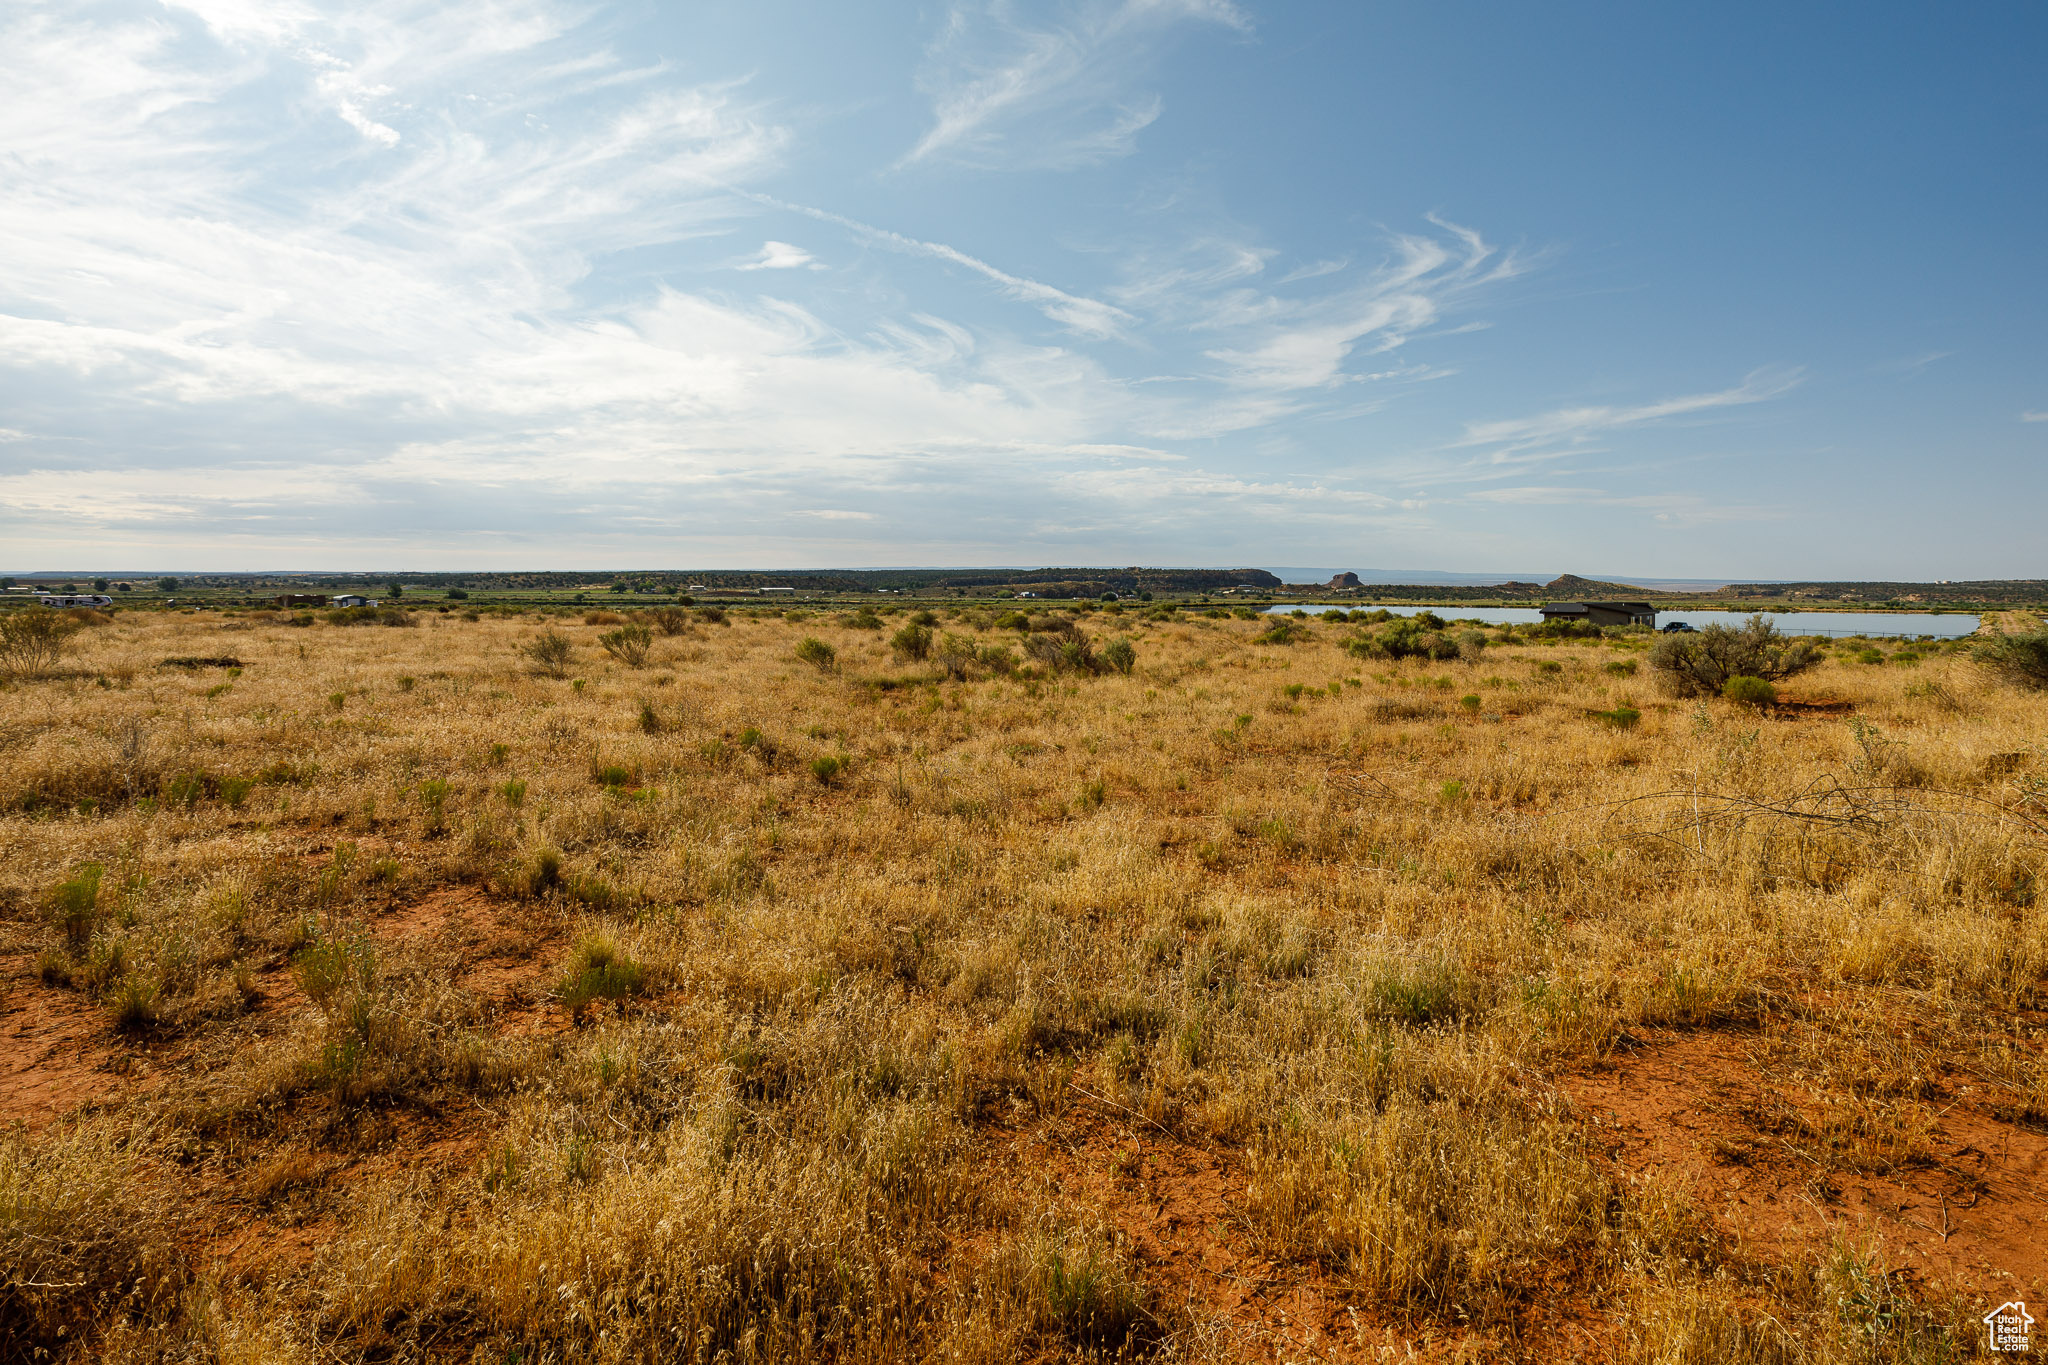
{"x":367,"y":994}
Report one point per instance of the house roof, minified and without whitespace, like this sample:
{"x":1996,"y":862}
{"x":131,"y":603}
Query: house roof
{"x":1581,"y":608}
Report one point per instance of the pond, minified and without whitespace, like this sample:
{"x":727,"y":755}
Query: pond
{"x":1910,"y":624}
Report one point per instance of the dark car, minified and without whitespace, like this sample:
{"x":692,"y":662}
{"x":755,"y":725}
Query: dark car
{"x":1677,"y":628}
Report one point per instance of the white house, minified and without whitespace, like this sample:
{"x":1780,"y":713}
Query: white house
{"x":75,"y":599}
{"x":351,"y":600}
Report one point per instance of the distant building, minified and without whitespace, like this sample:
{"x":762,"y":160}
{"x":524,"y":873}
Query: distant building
{"x":349,"y":599}
{"x":75,"y":599}
{"x":766,"y":591}
{"x":1602,"y":613}
{"x":299,"y":599}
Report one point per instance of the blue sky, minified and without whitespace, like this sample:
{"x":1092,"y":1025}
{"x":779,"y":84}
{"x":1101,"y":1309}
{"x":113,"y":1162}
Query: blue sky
{"x":1742,"y":291}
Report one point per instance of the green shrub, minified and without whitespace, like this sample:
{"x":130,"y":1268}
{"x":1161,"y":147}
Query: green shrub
{"x":817,"y":654}
{"x":828,"y":769}
{"x":33,"y":640}
{"x":542,"y":873}
{"x":1621,"y":717}
{"x":1408,"y":637}
{"x":75,"y":902}
{"x":1121,"y":655}
{"x":597,"y":970}
{"x":134,"y":1001}
{"x":1754,"y":692}
{"x":323,"y":970}
{"x":1281,"y":632}
{"x":1700,"y":663}
{"x":2021,"y":660}
{"x":628,"y":644}
{"x":913,"y":642}
{"x":549,"y":654}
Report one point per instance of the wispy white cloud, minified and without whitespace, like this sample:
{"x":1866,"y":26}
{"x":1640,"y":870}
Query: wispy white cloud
{"x":2034,"y":417}
{"x":1308,"y":342}
{"x":1052,"y":93}
{"x":781,"y":256}
{"x":1565,"y":429}
{"x":293,"y":320}
{"x":1085,"y":316}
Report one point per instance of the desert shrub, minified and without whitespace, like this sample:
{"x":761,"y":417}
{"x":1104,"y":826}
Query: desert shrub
{"x":2018,"y":659}
{"x":957,"y":655}
{"x":74,"y":903}
{"x":1700,"y":663}
{"x":549,"y":654}
{"x":542,"y":873}
{"x":628,"y":644}
{"x":32,"y":641}
{"x":713,"y":616}
{"x":1061,"y":645}
{"x":134,"y":1001}
{"x":610,"y":774}
{"x":670,"y":620}
{"x":1281,"y":632}
{"x":913,"y":642}
{"x":651,"y":722}
{"x":1013,"y":620}
{"x":324,"y":970}
{"x":1407,"y":637}
{"x":598,"y":970}
{"x":1121,"y":655}
{"x":1621,"y":717}
{"x":817,"y":653}
{"x":828,"y":769}
{"x":1755,"y":692}
{"x":1471,"y":644}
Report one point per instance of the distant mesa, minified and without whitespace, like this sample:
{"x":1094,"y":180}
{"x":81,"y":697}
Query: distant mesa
{"x":1571,"y":585}
{"x":1345,"y":580}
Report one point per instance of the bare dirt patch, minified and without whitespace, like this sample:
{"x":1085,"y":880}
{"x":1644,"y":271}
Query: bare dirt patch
{"x":1704,"y":1111}
{"x":57,"y":1052}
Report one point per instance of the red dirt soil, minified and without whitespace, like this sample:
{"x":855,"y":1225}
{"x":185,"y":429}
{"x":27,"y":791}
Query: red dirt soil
{"x":58,"y":1050}
{"x":1701,"y":1111}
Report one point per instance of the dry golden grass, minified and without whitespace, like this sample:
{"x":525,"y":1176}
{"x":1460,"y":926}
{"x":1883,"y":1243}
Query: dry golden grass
{"x":415,"y":1005}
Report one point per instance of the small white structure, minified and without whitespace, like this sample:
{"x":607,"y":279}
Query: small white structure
{"x":75,"y":599}
{"x":351,"y":600}
{"x":765,"y":592}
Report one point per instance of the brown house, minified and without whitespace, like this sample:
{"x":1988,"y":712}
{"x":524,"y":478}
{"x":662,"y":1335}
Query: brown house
{"x":1602,"y":613}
